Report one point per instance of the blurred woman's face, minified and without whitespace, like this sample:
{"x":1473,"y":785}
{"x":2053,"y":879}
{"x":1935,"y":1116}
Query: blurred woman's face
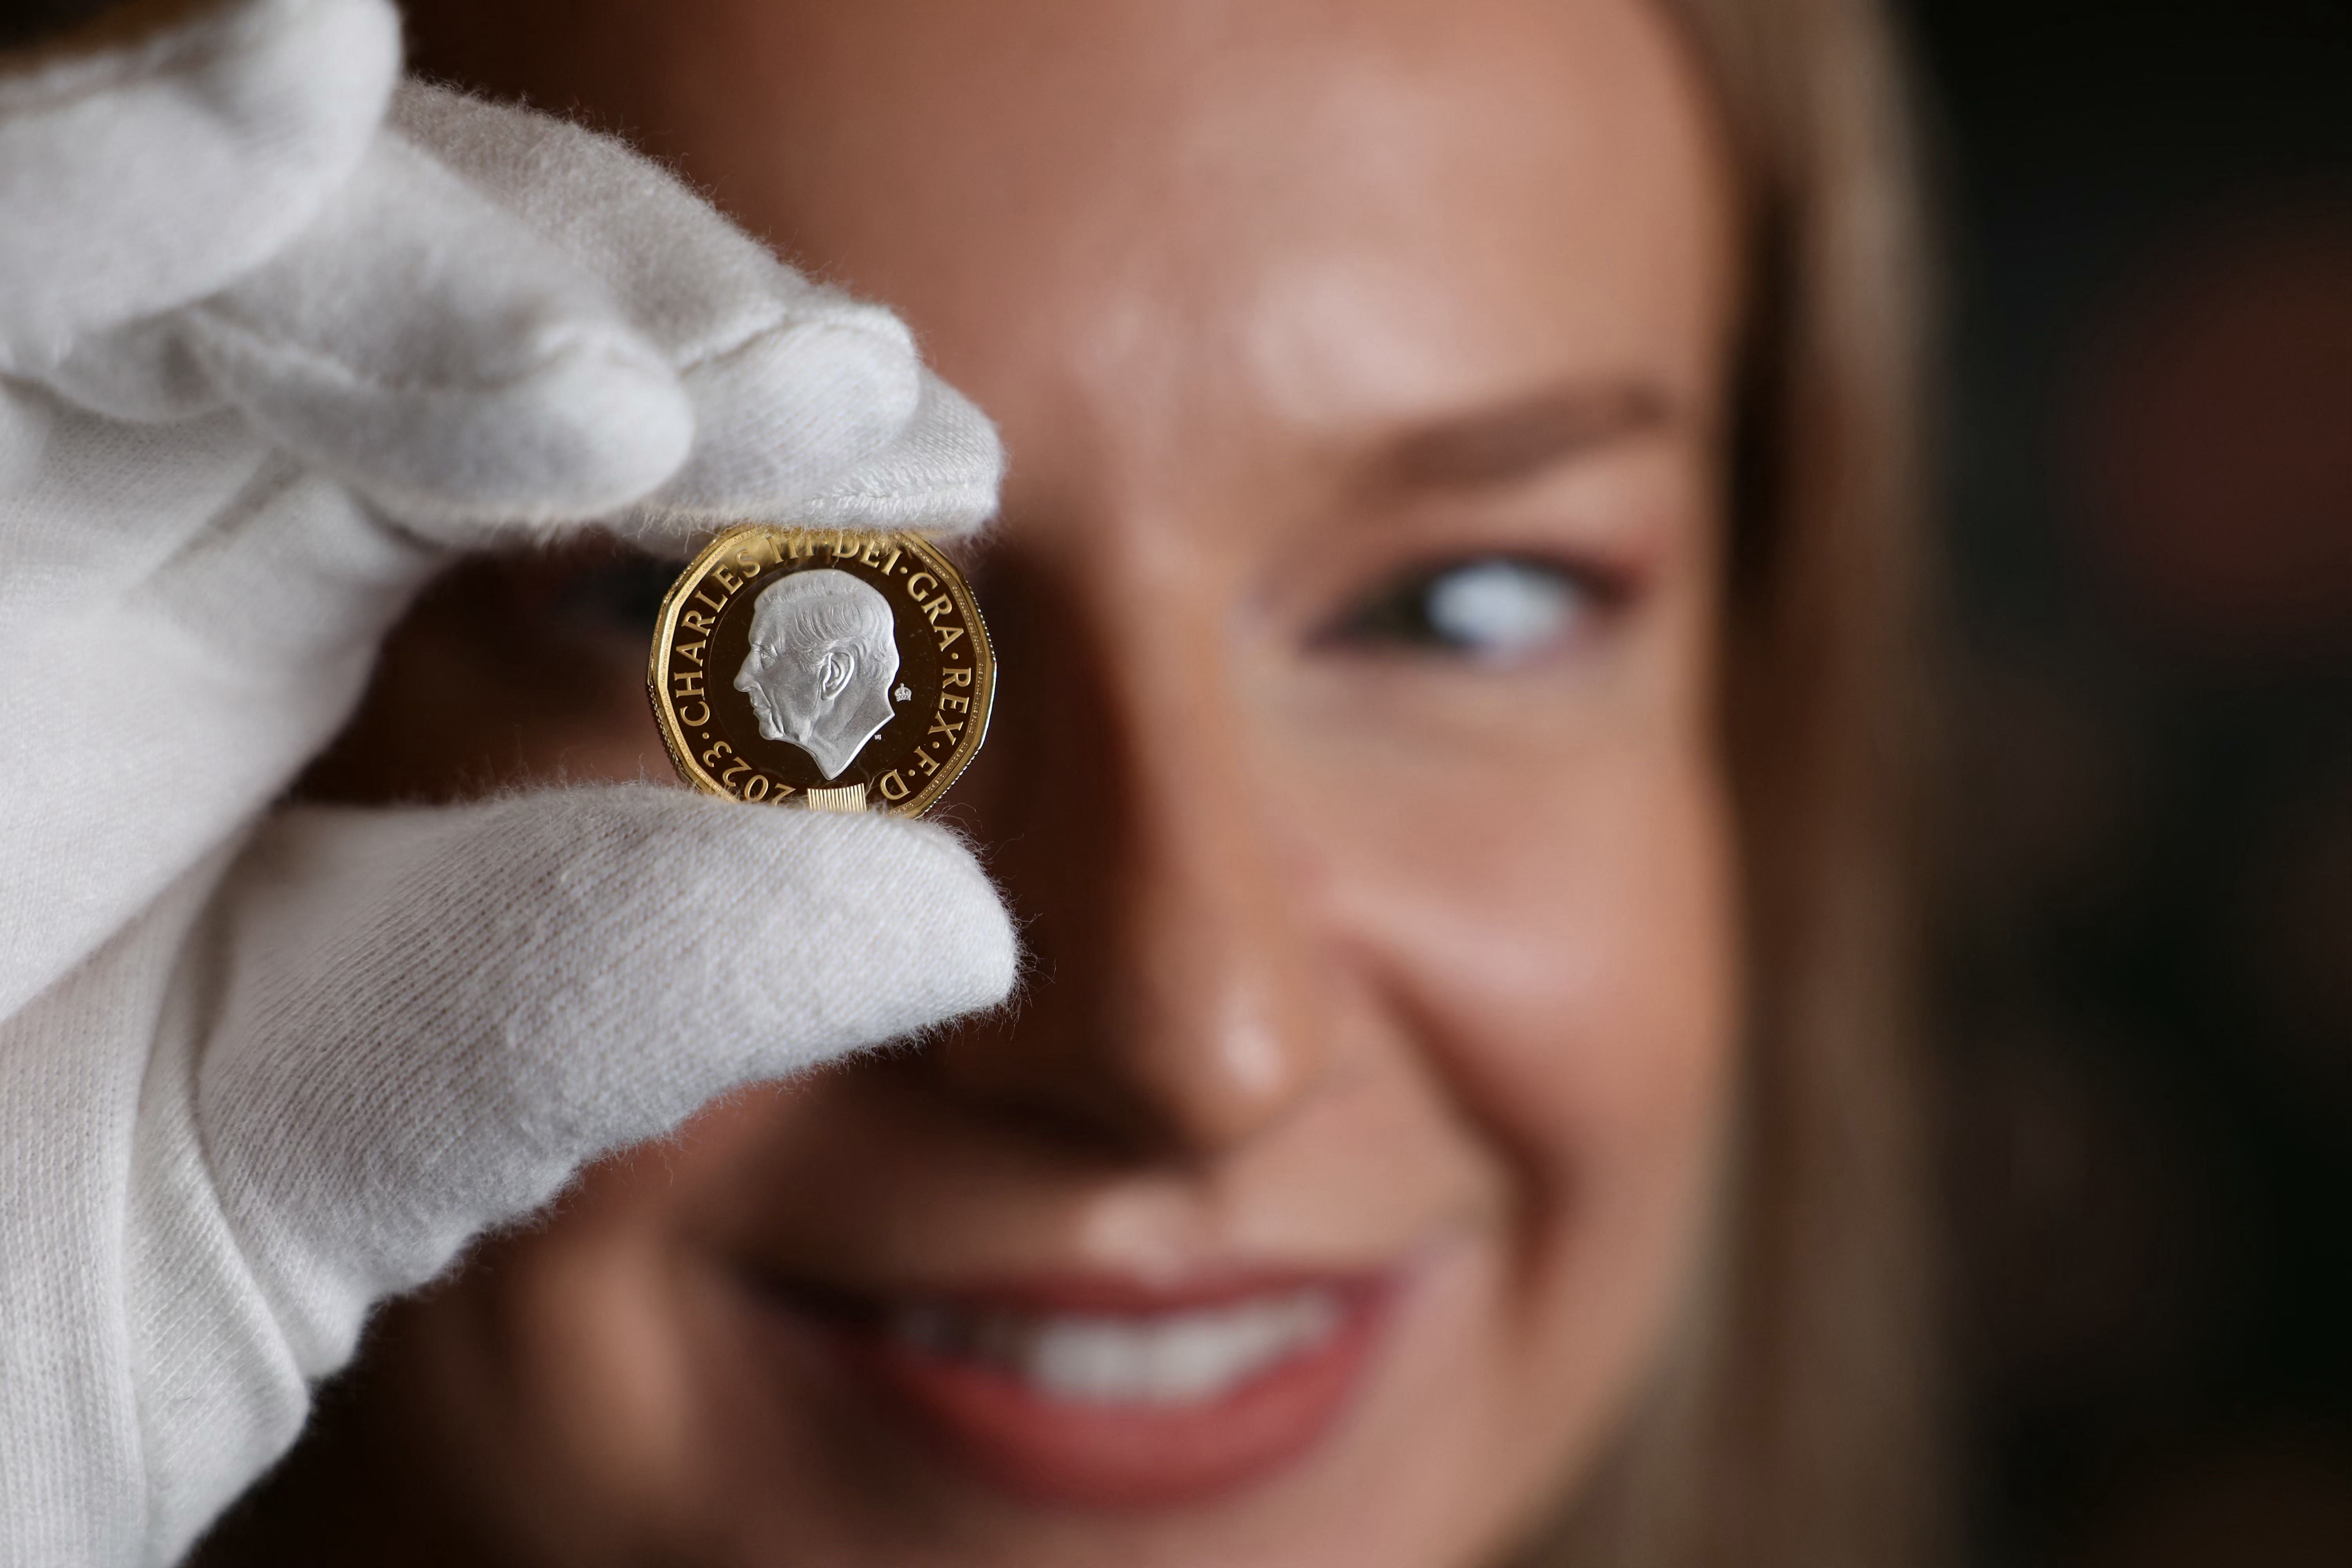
{"x":1339,"y":1175}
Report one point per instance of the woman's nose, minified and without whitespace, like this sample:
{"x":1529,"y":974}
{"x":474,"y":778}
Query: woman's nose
{"x":1175,"y":1003}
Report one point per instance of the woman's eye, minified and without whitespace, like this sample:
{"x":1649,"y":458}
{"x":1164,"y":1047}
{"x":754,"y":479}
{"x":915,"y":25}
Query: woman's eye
{"x":621,"y":591}
{"x":1497,"y":609}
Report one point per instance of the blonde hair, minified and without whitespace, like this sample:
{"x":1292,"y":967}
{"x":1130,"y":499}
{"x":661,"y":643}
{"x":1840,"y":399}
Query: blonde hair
{"x":1792,"y":1423}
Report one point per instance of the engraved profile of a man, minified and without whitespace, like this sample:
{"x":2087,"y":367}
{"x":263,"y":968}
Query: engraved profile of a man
{"x":822,"y":657}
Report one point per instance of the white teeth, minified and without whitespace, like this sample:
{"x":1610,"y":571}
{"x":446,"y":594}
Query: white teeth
{"x":1173,"y":1358}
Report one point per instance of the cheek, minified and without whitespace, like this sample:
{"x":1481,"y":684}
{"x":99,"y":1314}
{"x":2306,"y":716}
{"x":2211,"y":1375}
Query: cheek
{"x":1572,"y":977}
{"x":1573,"y":966}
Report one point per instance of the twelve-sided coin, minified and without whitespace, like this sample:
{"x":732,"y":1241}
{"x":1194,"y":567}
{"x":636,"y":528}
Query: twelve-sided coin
{"x":839,"y":671}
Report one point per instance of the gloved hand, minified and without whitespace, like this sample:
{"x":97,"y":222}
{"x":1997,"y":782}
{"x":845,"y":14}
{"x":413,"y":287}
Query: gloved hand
{"x":277,"y":338}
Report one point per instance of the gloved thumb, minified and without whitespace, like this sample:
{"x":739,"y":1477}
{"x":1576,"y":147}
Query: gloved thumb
{"x":430,"y":1018}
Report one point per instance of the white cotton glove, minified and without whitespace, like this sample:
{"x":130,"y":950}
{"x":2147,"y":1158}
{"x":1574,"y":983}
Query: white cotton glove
{"x":276,"y":340}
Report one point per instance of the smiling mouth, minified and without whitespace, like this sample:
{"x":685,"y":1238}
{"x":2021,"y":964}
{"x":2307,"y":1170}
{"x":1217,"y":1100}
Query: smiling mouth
{"x":1104,"y":1393}
{"x":1173,"y":1359}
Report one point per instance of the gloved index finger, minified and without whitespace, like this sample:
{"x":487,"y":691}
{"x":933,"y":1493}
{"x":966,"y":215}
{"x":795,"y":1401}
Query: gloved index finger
{"x":808,"y":404}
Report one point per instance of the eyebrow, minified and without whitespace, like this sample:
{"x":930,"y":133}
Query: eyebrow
{"x":1519,"y":438}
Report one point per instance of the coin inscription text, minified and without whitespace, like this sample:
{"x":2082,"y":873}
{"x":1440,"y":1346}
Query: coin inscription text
{"x":839,"y":671}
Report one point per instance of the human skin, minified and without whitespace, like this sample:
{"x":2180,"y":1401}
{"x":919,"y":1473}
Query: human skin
{"x":1362,"y":960}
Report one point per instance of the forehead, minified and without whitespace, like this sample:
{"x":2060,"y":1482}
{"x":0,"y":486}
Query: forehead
{"x":1329,"y":211}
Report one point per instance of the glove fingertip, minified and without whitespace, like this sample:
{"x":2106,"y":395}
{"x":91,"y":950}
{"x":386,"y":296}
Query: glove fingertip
{"x":790,"y":409}
{"x":941,"y":474}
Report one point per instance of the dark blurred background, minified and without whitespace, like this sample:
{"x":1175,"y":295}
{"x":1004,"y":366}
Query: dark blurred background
{"x":2145,"y":967}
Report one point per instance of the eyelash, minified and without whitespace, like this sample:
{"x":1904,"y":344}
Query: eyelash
{"x":1524,"y":607}
{"x":623,"y":594}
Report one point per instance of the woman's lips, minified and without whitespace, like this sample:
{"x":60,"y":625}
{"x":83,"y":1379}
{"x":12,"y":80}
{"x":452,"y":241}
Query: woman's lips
{"x":1105,"y":1393}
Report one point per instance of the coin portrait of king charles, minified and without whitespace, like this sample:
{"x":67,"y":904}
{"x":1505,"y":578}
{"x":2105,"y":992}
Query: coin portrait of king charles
{"x":822,"y":662}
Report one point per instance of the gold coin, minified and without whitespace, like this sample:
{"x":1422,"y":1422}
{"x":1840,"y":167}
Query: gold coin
{"x":839,"y":671}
